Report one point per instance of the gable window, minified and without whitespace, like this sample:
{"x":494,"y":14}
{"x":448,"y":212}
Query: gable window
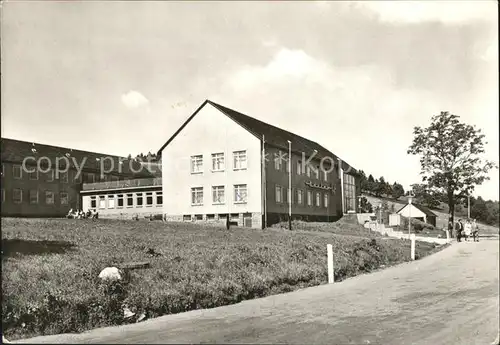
{"x":240,"y":193}
{"x":33,"y":196}
{"x":217,"y":161}
{"x":300,"y":196}
{"x":130,"y":200}
{"x":240,"y":160}
{"x":93,"y":202}
{"x":119,"y":200}
{"x":49,"y":197}
{"x":299,"y":167}
{"x":196,"y":164}
{"x":102,"y":201}
{"x":325,"y":200}
{"x":197,"y":196}
{"x":149,"y":199}
{"x":318,"y":199}
{"x":159,"y":198}
{"x":279,"y":194}
{"x":309,"y":198}
{"x":17,"y":196}
{"x":64,"y":198}
{"x":17,"y":171}
{"x":33,"y":174}
{"x":218,"y":194}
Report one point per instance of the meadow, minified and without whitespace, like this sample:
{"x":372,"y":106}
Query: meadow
{"x":50,"y":267}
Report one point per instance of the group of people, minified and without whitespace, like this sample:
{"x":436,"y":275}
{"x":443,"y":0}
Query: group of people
{"x":80,"y":214}
{"x":466,"y":228}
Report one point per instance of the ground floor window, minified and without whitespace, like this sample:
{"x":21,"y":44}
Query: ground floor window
{"x":130,"y":200}
{"x":102,"y":202}
{"x":139,"y":199}
{"x":300,"y":196}
{"x":119,"y":200}
{"x":17,"y":196}
{"x":325,"y":199}
{"x":210,"y":216}
{"x":159,"y":198}
{"x":64,"y":198}
{"x":49,"y":197}
{"x":309,"y":198}
{"x":33,"y":197}
{"x":186,"y":217}
{"x":93,"y":202}
{"x":149,"y":198}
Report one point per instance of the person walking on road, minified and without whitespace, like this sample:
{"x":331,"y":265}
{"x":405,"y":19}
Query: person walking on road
{"x":459,"y":227}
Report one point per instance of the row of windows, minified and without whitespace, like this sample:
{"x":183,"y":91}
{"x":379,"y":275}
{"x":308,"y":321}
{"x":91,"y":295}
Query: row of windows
{"x":218,"y":162}
{"x":301,"y":169}
{"x":240,"y":195}
{"x":33,"y":174}
{"x":33,"y":196}
{"x":281,"y":193}
{"x":120,"y":200}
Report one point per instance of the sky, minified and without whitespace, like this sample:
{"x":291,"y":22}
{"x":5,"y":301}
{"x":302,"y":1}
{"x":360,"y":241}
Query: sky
{"x":356,"y":77}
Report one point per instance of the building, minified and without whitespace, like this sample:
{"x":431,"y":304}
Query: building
{"x":221,"y":162}
{"x":46,"y":181}
{"x":418,"y":212}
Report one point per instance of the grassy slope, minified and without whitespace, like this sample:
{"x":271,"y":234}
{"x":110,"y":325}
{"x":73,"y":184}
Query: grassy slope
{"x":198,"y":268}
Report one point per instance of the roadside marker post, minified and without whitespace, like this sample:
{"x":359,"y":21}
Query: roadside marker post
{"x":412,"y":237}
{"x":330,"y":263}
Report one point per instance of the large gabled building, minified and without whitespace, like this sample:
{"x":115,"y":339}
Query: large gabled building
{"x":39,"y":180}
{"x":221,"y":162}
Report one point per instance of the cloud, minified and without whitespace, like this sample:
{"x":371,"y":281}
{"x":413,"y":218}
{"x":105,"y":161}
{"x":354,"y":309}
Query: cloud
{"x":442,"y":11}
{"x":134,"y":99}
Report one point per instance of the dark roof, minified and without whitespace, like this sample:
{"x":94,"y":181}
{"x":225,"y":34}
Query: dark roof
{"x":16,"y":151}
{"x":272,"y":135}
{"x":423,"y":209}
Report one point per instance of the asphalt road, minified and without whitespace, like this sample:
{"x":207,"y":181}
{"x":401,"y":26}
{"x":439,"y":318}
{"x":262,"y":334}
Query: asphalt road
{"x":451,"y":297}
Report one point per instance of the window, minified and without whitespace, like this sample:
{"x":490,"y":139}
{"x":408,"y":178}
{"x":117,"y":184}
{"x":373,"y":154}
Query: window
{"x":33,"y":196}
{"x":299,"y":167}
{"x":278,"y":160}
{"x":240,"y":193}
{"x":119,"y":200}
{"x":325,"y":175}
{"x":309,"y":198}
{"x":130,"y":200}
{"x":318,"y":199}
{"x":33,"y":174}
{"x":218,"y":162}
{"x":63,"y":176}
{"x":325,"y":199}
{"x":300,"y":196}
{"x":279,"y":194}
{"x":308,"y":170}
{"x":218,"y":194}
{"x":139,"y":200}
{"x":350,"y":193}
{"x":111,"y":201}
{"x":93,"y":202}
{"x":50,"y":175}
{"x":64,"y":198}
{"x":198,"y":216}
{"x":210,"y":216}
{"x":49,"y":197}
{"x":17,"y":196}
{"x":316,"y":173}
{"x":196,"y":164}
{"x":17,"y":171}
{"x":240,"y":160}
{"x":186,"y":217}
{"x":159,"y":198}
{"x":102,"y":201}
{"x":149,"y":199}
{"x":197,"y":196}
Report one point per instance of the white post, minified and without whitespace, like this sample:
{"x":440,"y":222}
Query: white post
{"x":447,"y":235}
{"x":330,"y":263}
{"x":412,"y":246}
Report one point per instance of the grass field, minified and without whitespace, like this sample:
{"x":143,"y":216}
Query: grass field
{"x":50,"y":268}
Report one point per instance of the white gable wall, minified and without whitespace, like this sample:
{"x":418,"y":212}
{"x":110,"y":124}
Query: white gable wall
{"x":210,"y":131}
{"x":415,"y":212}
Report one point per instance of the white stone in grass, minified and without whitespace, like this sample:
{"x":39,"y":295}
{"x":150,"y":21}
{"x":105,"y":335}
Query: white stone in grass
{"x":127,"y":313}
{"x":110,"y":274}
